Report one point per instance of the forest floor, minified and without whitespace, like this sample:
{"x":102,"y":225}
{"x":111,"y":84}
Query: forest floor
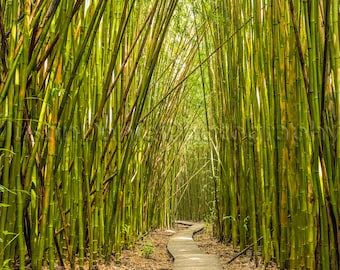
{"x":151,"y":253}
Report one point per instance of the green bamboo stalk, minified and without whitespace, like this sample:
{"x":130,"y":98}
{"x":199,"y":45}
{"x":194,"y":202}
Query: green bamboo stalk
{"x":7,"y":221}
{"x":334,"y":29}
{"x":6,"y":172}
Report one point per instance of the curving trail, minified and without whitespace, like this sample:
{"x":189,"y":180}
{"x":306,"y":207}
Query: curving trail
{"x":186,"y":253}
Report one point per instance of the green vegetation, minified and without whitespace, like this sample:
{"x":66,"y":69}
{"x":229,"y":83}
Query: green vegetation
{"x":119,"y":116}
{"x":275,"y":79}
{"x":147,"y":250}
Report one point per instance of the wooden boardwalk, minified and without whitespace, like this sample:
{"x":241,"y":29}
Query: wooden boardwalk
{"x":186,"y":253}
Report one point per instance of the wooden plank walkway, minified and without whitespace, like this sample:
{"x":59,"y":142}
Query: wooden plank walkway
{"x":186,"y":253}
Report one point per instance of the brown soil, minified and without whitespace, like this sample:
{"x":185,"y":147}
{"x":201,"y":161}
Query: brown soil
{"x":155,"y":243}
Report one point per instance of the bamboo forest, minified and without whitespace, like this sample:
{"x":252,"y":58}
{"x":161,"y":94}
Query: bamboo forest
{"x":117,"y":117}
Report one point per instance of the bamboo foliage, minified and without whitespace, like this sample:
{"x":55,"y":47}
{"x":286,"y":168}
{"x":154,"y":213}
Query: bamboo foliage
{"x":115,"y":116}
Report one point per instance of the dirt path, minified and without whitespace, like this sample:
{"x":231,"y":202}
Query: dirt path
{"x":187,"y":255}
